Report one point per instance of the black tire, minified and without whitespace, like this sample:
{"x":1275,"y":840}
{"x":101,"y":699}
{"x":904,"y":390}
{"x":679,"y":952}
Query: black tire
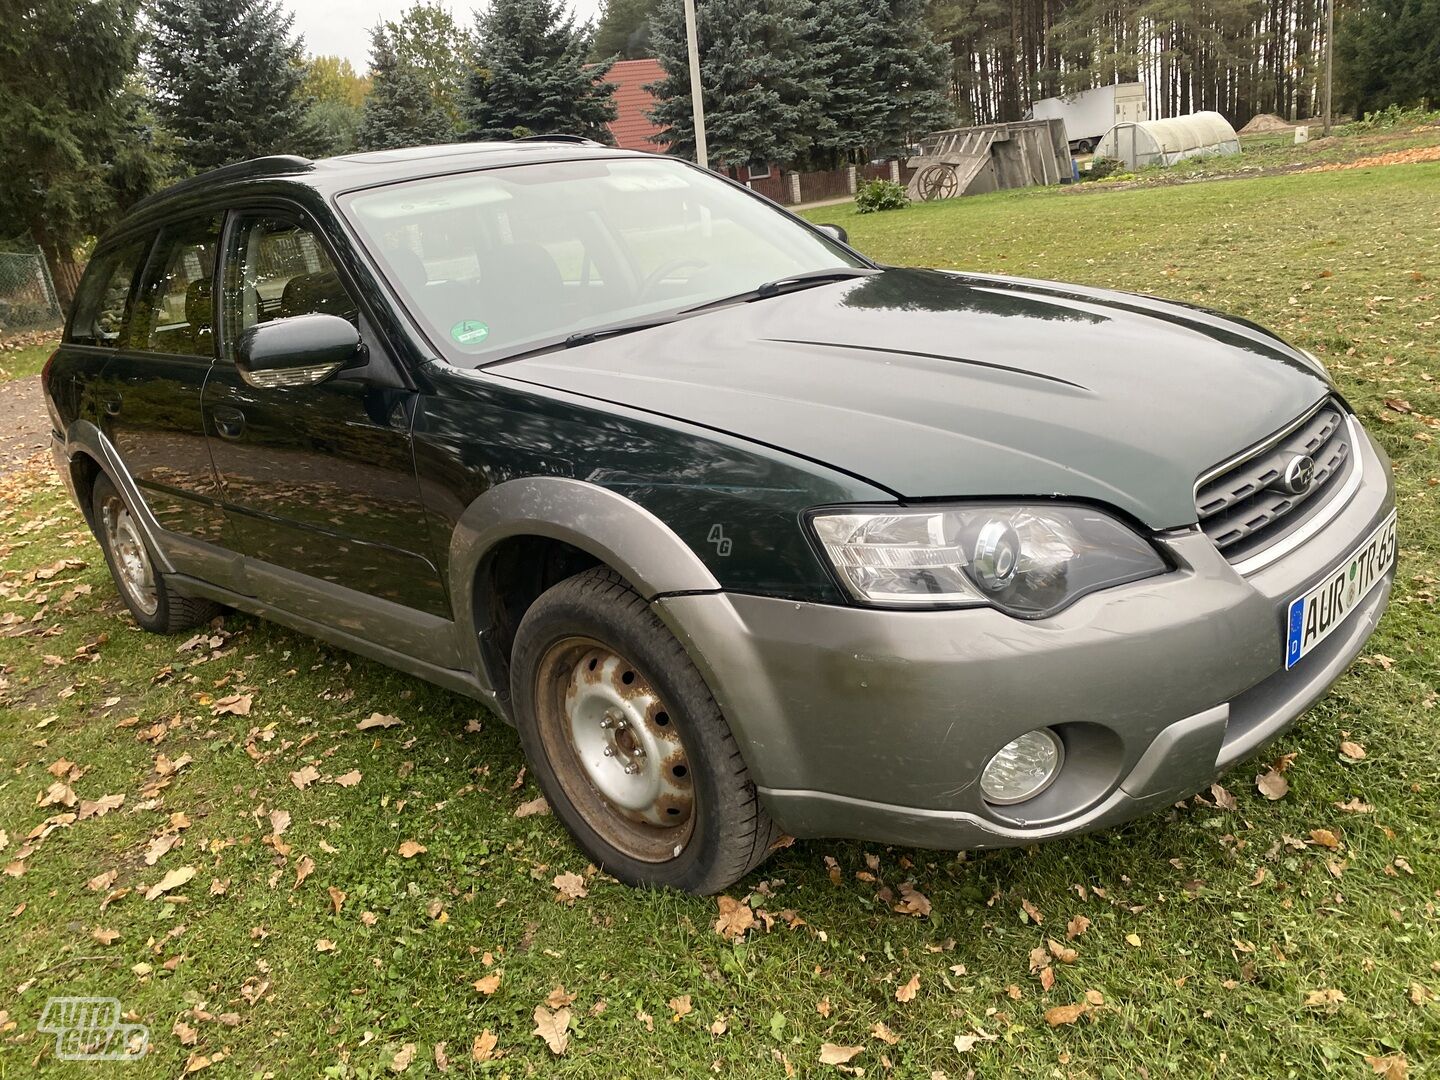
{"x":158,"y":608}
{"x":727,"y":833}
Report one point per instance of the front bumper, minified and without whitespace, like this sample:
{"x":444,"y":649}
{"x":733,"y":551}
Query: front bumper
{"x":876,"y":724}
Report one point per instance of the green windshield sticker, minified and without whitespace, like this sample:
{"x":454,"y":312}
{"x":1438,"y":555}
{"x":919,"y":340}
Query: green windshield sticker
{"x":470,"y":332}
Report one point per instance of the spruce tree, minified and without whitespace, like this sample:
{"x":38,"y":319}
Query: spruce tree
{"x":401,"y":109}
{"x":1388,"y":53}
{"x":227,"y":76}
{"x":531,"y":74}
{"x":911,"y":76}
{"x":623,"y":29}
{"x":764,"y":96}
{"x":79,"y":145}
{"x":845,"y":59}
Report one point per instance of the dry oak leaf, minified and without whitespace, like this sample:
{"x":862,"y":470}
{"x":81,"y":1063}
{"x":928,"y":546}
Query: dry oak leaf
{"x":718,"y":1026}
{"x":1352,"y":750}
{"x":101,"y":806}
{"x":488,"y":984}
{"x":559,"y":997}
{"x":912,"y":902}
{"x":102,"y":881}
{"x":187,"y":1035}
{"x":401,"y":1061}
{"x":1325,"y":838}
{"x":234,"y":704}
{"x":736,"y":919}
{"x":279,"y":821}
{"x":1076,"y":926}
{"x":551,"y":1026}
{"x":57,"y":794}
{"x":1389,"y":1067}
{"x":158,"y":847}
{"x":1032,"y":911}
{"x":1272,"y":785}
{"x":303,"y":869}
{"x":1223,"y":799}
{"x":569,"y":888}
{"x":304,"y":777}
{"x":172,"y":880}
{"x":347,"y":780}
{"x":1324,"y":999}
{"x":410,"y":848}
{"x":442,"y":1061}
{"x":680,"y":1007}
{"x":965,"y":1043}
{"x":833,"y":1054}
{"x":377,"y":720}
{"x":337,"y":897}
{"x":324,"y":945}
{"x":105,"y":937}
{"x":1061,"y":953}
{"x":884,"y":1034}
{"x":1066,"y":1014}
{"x":1039,"y":959}
{"x":907,"y":992}
{"x":532,"y":808}
{"x":484,"y":1046}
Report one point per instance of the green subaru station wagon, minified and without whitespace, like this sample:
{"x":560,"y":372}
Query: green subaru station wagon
{"x":746,"y":534}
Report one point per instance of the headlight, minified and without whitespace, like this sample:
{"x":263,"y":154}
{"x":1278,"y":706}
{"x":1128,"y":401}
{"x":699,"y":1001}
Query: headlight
{"x":1029,"y":561}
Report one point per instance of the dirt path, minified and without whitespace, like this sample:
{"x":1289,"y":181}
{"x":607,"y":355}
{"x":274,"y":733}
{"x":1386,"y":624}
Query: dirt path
{"x":24,"y":423}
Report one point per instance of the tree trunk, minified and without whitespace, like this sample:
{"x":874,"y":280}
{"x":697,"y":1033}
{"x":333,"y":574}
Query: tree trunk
{"x":64,"y":270}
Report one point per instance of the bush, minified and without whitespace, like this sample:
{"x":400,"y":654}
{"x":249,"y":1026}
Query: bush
{"x":1392,"y":116}
{"x":1101,"y":167}
{"x":875,"y":195}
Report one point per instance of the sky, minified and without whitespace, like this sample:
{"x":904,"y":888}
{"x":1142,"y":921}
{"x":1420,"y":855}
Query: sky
{"x":342,"y":27}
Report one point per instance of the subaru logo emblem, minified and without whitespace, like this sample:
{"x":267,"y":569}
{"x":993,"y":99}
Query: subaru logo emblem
{"x":1299,"y":474}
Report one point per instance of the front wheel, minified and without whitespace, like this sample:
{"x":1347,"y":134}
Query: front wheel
{"x":627,"y":743}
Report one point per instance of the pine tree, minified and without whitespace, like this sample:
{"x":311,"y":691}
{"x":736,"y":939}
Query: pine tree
{"x":1388,"y":53}
{"x":79,"y":145}
{"x":531,"y":74}
{"x":624,"y":29}
{"x":401,"y":109}
{"x":227,"y":77}
{"x":764,"y":98}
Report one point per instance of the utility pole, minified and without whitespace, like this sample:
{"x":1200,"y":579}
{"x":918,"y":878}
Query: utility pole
{"x":697,"y":97}
{"x":1329,"y":56}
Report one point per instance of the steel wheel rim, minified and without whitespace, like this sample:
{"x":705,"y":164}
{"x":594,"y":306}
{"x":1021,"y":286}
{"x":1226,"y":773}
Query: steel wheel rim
{"x":615,"y":749}
{"x":129,"y":556}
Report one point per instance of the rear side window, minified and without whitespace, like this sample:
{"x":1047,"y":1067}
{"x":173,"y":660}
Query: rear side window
{"x":102,"y":307}
{"x":175,"y":309}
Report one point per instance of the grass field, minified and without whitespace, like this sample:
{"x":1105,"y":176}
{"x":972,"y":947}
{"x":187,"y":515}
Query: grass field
{"x":1232,"y":937}
{"x":27,"y":361}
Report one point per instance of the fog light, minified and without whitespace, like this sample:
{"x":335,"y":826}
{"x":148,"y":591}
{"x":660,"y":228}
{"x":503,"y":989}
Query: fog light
{"x":1023,"y":768}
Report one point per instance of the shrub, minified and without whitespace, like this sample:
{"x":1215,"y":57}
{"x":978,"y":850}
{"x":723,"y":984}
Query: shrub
{"x":1101,"y":167}
{"x":874,"y":195}
{"x":1392,"y":116}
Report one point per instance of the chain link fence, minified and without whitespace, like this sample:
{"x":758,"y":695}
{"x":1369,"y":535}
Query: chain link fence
{"x":27,"y":295}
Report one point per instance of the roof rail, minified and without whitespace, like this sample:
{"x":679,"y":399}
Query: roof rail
{"x":273,"y":165}
{"x":559,"y":137}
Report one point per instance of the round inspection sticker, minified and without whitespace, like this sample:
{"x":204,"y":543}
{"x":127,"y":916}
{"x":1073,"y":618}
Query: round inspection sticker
{"x":470,"y":332}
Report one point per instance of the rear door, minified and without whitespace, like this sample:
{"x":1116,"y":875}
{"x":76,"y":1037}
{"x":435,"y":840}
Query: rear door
{"x":318,"y":481}
{"x":149,"y":394}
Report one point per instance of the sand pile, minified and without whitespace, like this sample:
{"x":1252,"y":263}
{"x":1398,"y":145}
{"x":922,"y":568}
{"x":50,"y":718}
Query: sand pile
{"x":1265,"y":122}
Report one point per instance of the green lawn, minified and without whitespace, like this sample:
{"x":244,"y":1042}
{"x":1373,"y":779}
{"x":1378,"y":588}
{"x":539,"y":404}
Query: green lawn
{"x":22,"y":363}
{"x":1295,"y":938}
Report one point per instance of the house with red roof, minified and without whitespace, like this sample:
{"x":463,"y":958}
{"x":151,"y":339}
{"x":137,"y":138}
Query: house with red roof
{"x":632,"y":127}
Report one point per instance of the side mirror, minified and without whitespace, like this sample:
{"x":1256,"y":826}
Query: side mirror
{"x":299,"y":351}
{"x":836,"y":231}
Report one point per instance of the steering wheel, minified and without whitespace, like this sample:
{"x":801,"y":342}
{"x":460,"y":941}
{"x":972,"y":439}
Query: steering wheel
{"x":664,"y":270}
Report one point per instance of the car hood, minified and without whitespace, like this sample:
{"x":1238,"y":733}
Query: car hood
{"x":935,"y":385}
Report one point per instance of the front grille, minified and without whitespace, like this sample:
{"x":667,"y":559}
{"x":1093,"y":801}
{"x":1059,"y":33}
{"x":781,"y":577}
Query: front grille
{"x":1244,"y":505}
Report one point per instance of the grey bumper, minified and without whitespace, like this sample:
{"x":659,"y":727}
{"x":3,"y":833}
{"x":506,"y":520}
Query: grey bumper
{"x":875,"y":724}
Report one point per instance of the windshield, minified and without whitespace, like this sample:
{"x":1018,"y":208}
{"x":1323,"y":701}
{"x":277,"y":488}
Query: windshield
{"x":507,"y":260}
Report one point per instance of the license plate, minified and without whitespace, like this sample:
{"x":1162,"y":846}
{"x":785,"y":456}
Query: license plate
{"x":1316,"y":614}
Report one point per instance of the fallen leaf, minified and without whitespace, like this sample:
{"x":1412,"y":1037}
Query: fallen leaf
{"x":57,"y":794}
{"x":569,"y":888}
{"x":680,"y":1007}
{"x":159,"y":846}
{"x":337,"y":897}
{"x":559,"y":997}
{"x":187,"y":1035}
{"x":105,"y":937}
{"x":1066,"y":1014}
{"x":377,"y":720}
{"x":234,"y":705}
{"x":172,"y":880}
{"x":303,"y":869}
{"x":1353,"y":751}
{"x":410,"y":848}
{"x":1223,"y":798}
{"x":718,"y":1026}
{"x":101,"y":806}
{"x":1389,"y":1067}
{"x":1076,"y":926}
{"x":347,"y":780}
{"x":442,"y":1062}
{"x":884,"y":1034}
{"x":324,"y":945}
{"x":402,"y":1059}
{"x":736,"y":919}
{"x":1133,"y":940}
{"x":1032,"y":911}
{"x":1325,"y":838}
{"x":304,"y":777}
{"x":965,"y":1043}
{"x":912,"y":902}
{"x":488,"y":984}
{"x":832,"y":1054}
{"x":1323,"y":999}
{"x":1272,"y":785}
{"x":532,"y":808}
{"x":551,"y":1026}
{"x":1061,"y":953}
{"x":484,"y":1046}
{"x":907,"y":992}
{"x":101,"y":881}
{"x":279,"y":822}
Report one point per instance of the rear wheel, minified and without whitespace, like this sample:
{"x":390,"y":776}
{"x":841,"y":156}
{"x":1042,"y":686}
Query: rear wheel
{"x":151,"y":600}
{"x":627,"y":743}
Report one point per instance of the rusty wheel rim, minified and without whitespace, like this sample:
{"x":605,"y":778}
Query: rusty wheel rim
{"x":615,"y":749}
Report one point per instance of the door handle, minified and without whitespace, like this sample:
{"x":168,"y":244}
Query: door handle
{"x":229,"y":423}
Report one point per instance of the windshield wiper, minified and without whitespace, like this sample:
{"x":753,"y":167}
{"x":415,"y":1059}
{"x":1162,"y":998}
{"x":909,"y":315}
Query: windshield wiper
{"x":793,"y":283}
{"x":586,"y":337}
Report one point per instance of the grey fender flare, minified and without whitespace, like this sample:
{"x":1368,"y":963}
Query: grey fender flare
{"x":84,"y":437}
{"x":618,"y":531}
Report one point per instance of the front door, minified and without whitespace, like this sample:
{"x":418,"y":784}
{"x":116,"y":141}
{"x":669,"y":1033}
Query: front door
{"x":318,"y":481}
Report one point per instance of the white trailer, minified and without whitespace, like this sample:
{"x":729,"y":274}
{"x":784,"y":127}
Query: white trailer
{"x":1091,"y":113}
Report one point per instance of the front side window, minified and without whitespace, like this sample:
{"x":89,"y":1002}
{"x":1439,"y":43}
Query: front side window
{"x":176,"y":305}
{"x":277,"y":268}
{"x":102,"y":305}
{"x":498,"y":261}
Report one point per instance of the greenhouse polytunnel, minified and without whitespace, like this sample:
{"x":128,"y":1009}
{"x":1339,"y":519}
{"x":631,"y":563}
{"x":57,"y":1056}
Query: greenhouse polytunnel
{"x":1164,"y":142}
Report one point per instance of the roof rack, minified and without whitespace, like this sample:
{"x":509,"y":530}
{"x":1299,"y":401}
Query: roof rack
{"x":273,"y":165}
{"x":559,"y":137}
